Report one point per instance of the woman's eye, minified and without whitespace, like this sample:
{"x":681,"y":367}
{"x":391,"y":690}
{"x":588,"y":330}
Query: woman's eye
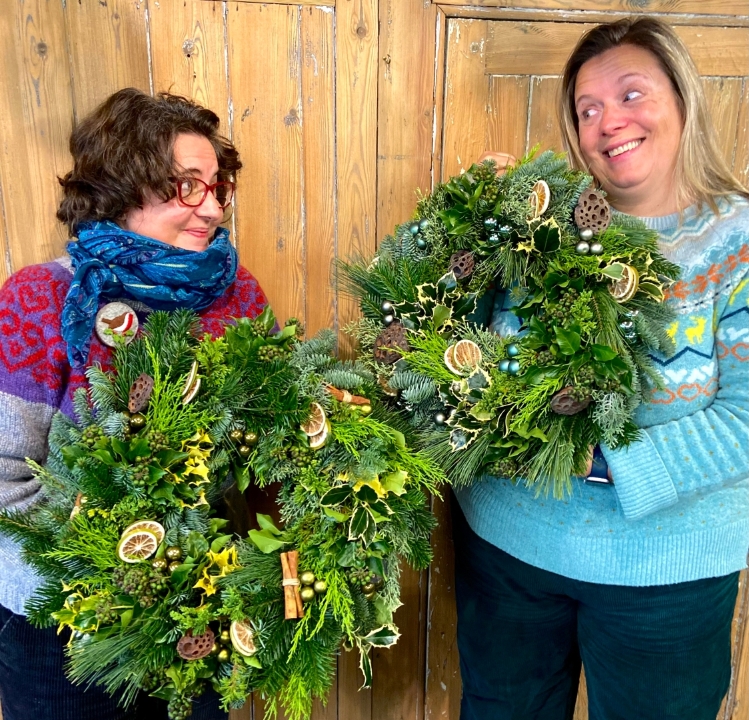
{"x":632,"y":95}
{"x":587,"y":113}
{"x":186,"y":188}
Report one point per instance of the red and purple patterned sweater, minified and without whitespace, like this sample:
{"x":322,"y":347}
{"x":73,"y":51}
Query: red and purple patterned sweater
{"x":36,"y":381}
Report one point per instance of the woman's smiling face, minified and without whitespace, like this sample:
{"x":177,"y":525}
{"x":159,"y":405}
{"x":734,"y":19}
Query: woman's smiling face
{"x":630,"y":127}
{"x":171,"y":222}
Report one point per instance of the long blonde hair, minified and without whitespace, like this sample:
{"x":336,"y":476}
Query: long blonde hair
{"x":701,"y":173}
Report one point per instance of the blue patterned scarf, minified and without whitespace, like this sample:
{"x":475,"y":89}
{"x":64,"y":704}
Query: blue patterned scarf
{"x":111,"y":263}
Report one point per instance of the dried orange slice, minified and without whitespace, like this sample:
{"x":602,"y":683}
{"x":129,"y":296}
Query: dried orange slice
{"x":449,"y":359}
{"x":543,"y":196}
{"x":316,"y":422}
{"x":317,"y":441}
{"x":137,"y":546}
{"x":467,"y":355}
{"x":625,"y":289}
{"x":151,"y":526}
{"x":243,"y":638}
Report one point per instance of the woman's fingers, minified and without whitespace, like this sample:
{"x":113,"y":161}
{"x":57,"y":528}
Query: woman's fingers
{"x":502,"y":160}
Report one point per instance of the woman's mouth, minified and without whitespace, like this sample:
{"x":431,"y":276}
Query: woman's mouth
{"x":621,"y":149}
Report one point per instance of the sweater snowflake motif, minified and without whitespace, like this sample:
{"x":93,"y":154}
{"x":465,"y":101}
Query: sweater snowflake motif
{"x":36,"y":381}
{"x":679,"y":508}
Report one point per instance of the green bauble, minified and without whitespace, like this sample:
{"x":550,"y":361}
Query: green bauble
{"x":307,"y":594}
{"x":244,"y":451}
{"x":307,"y":578}
{"x":225,"y":637}
{"x":159,"y":564}
{"x":250,"y":438}
{"x":174,"y":565}
{"x":223,"y":655}
{"x":320,"y":586}
{"x":137,"y":421}
{"x":174,"y":552}
{"x":369,"y":588}
{"x":236,"y":436}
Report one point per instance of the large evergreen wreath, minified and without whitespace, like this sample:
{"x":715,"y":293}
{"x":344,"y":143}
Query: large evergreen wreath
{"x":135,"y":561}
{"x":587,"y":286}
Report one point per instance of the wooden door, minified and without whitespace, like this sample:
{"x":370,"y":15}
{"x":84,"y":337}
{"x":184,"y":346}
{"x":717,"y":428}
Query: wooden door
{"x":501,"y":78}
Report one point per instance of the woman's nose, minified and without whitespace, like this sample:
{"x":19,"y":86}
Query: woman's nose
{"x":612,"y":119}
{"x":210,"y":207}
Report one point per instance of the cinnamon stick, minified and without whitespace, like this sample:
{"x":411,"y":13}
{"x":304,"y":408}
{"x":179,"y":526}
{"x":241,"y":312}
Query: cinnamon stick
{"x":346,"y":397}
{"x":294,"y":566}
{"x":292,"y":599}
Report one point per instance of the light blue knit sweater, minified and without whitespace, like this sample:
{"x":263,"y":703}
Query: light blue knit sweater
{"x":679,"y":506}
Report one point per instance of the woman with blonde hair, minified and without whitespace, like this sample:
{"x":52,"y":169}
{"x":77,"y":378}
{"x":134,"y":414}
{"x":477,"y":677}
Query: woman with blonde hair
{"x":636,"y":578}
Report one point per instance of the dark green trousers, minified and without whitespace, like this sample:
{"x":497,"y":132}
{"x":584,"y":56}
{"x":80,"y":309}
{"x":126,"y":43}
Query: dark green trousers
{"x":650,"y":653}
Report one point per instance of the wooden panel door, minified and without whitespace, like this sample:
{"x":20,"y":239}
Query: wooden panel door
{"x":501,"y":79}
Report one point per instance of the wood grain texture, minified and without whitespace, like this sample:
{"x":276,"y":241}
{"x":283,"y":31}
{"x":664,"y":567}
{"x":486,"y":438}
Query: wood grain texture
{"x":466,"y":96}
{"x":443,"y":685}
{"x":356,"y":137}
{"x":440,"y":64}
{"x":741,"y":153}
{"x":37,"y":117}
{"x":108,"y":50}
{"x":352,"y":702}
{"x":318,"y":140}
{"x":540,"y":48}
{"x":316,"y":3}
{"x":400,"y":672}
{"x":737,"y":700}
{"x":406,"y":101}
{"x":508,"y":114}
{"x":266,"y":93}
{"x":570,"y":14}
{"x":543,"y":128}
{"x":724,"y":99}
{"x":188,"y":51}
{"x":717,"y":7}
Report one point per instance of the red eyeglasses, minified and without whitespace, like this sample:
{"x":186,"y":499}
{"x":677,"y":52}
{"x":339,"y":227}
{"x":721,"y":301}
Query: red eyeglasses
{"x":193,"y":191}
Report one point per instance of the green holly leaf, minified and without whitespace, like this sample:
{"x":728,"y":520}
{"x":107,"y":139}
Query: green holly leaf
{"x":360,"y":523}
{"x":336,"y":496}
{"x":546,"y":237}
{"x":383,"y":637}
{"x":365,"y":665}
{"x":337,"y":516}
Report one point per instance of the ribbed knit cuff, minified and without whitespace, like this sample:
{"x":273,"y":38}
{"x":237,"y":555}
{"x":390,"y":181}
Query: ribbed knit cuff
{"x":641,"y":480}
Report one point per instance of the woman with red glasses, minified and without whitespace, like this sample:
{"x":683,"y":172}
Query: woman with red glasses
{"x":150,"y":185}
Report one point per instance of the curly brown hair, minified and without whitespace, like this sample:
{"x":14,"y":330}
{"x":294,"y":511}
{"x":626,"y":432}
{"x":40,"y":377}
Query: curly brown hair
{"x":124,"y":149}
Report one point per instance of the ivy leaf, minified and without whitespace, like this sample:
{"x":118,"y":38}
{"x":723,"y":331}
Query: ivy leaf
{"x":126,"y":618}
{"x":347,"y":556}
{"x":265,"y":541}
{"x":569,"y":341}
{"x":602,"y":353}
{"x":266,"y":523}
{"x":395,"y":482}
{"x":615,"y":271}
{"x":337,"y":516}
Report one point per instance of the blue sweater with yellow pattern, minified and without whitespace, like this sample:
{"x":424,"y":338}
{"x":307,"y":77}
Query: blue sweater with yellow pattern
{"x":679,"y":506}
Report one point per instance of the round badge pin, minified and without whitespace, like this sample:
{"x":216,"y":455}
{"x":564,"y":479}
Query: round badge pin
{"x":116,"y":322}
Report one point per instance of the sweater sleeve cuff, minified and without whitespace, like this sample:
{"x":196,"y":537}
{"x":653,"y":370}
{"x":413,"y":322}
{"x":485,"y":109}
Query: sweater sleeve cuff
{"x":641,"y":479}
